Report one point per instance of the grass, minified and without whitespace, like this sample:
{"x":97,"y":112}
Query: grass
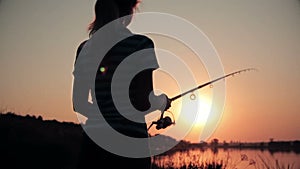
{"x":227,"y":163}
{"x":193,"y":166}
{"x":267,"y":164}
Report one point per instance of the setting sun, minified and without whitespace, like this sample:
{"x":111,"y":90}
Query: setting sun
{"x":204,"y":110}
{"x":201,"y":113}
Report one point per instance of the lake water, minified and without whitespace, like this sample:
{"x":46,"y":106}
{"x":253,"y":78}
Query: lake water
{"x":232,"y":158}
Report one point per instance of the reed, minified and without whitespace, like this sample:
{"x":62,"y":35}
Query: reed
{"x":244,"y":162}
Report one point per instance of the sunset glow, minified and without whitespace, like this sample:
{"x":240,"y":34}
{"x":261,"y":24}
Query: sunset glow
{"x":37,"y":54}
{"x":204,"y":107}
{"x":204,"y":110}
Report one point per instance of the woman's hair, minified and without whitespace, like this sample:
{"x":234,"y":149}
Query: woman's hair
{"x":109,"y":10}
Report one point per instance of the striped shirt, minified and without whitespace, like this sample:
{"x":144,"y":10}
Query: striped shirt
{"x":140,"y":86}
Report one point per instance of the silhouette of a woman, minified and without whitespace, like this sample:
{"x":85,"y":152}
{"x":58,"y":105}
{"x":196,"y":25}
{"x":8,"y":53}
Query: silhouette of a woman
{"x":140,"y":87}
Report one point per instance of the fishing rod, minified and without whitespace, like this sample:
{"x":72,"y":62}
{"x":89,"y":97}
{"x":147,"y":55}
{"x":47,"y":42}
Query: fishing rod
{"x":211,"y":82}
{"x":164,"y":122}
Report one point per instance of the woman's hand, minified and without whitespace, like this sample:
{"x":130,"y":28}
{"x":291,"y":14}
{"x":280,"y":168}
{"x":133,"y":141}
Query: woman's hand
{"x":160,"y":102}
{"x":165,"y":102}
{"x":168,"y":103}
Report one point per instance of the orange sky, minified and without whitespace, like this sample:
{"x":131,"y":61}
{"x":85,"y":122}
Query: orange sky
{"x":39,"y":39}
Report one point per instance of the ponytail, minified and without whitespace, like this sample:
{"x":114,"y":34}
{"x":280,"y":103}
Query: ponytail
{"x":109,"y":10}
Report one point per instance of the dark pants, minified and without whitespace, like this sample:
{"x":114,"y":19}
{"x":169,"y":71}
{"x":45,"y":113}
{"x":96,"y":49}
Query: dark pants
{"x":93,"y":156}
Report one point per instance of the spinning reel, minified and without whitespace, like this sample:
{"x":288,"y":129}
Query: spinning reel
{"x":164,"y":122}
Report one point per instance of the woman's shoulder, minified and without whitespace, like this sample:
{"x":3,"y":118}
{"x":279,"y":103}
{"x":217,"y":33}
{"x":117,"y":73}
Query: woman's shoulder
{"x":80,"y":46}
{"x":141,"y":40}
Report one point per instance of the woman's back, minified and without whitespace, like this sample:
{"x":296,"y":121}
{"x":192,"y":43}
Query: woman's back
{"x":138,"y":91}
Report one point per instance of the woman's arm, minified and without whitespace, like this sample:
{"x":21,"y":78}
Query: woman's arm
{"x":141,"y":88}
{"x":80,"y":92}
{"x":80,"y":97}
